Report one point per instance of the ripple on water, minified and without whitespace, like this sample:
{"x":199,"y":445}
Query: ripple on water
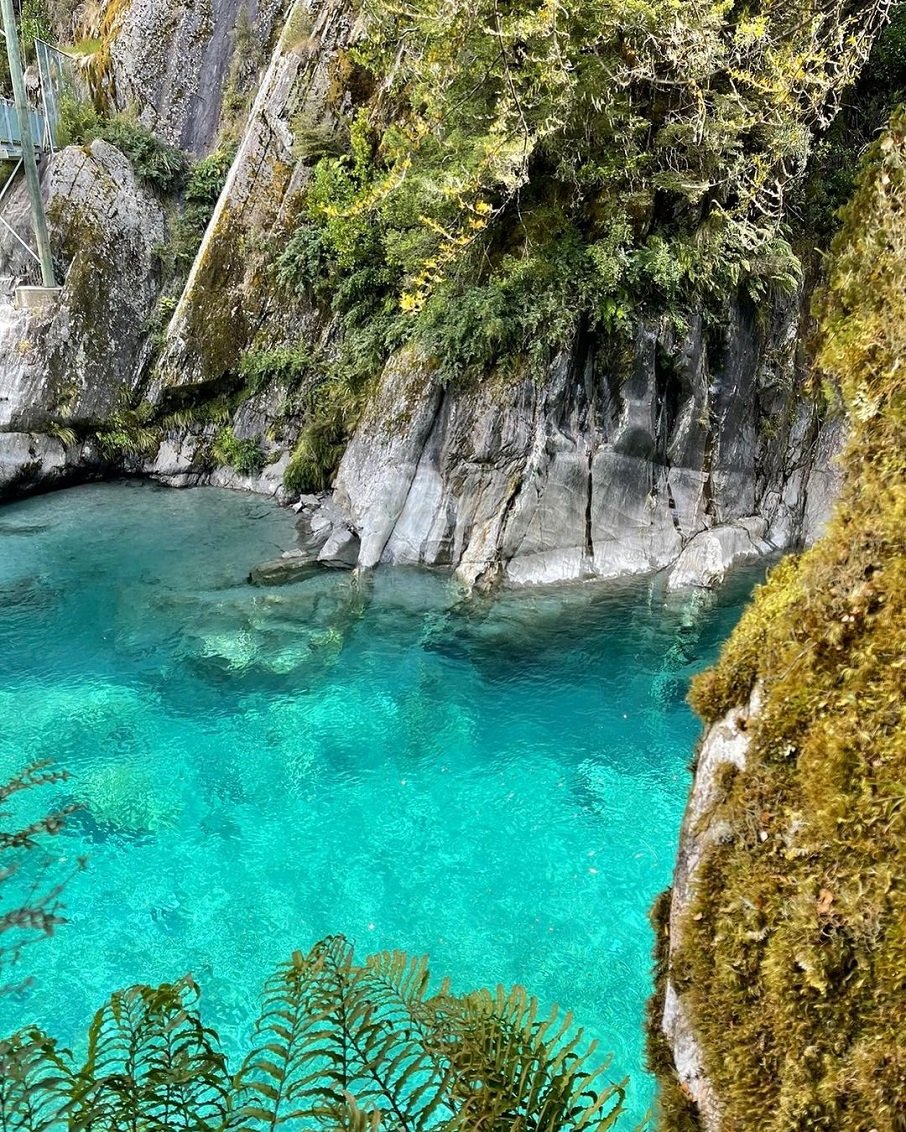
{"x":499,"y":784}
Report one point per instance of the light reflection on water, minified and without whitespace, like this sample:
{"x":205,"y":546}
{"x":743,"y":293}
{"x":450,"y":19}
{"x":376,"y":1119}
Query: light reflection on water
{"x":498,"y":784}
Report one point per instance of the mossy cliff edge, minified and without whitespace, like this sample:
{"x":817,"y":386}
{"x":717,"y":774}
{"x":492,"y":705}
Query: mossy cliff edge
{"x":782,"y":999}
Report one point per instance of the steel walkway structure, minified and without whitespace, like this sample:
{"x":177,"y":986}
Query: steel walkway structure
{"x":55,"y":79}
{"x":11,"y":137}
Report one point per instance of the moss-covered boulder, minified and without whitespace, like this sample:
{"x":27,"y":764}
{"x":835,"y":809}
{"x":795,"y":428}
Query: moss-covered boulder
{"x":782,"y":1001}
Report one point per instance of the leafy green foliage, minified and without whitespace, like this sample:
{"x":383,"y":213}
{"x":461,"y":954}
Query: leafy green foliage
{"x":282,"y":366}
{"x":158,"y":164}
{"x":34,"y":23}
{"x":838,"y":153}
{"x":527,"y":168}
{"x":798,"y":929}
{"x":30,"y":906}
{"x":339,"y":1044}
{"x":129,"y":433}
{"x":244,"y":456}
{"x":204,"y":184}
{"x":331,"y":410}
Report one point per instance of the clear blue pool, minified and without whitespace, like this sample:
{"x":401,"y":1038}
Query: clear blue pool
{"x":499,"y":784}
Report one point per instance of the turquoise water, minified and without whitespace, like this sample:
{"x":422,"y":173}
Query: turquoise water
{"x":498,"y":784}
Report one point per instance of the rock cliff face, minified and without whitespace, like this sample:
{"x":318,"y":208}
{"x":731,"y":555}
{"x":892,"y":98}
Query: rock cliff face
{"x":699,"y":449}
{"x":227,"y":302}
{"x":611,"y":466}
{"x":171,"y":59}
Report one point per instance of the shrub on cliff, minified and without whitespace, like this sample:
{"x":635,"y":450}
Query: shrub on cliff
{"x":158,"y":164}
{"x":793,"y":961}
{"x":516,"y":170}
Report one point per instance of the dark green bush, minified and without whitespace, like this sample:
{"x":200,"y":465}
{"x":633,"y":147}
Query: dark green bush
{"x":246,"y":457}
{"x":158,"y":164}
{"x":283,"y":366}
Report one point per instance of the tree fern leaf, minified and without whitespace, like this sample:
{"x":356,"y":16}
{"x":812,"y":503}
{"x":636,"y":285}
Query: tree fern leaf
{"x":35,"y":1084}
{"x":305,"y":1064}
{"x":152,"y":1065}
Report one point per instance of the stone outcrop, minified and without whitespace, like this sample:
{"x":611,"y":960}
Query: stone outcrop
{"x":605,"y":468}
{"x":596,"y":472}
{"x":708,"y":556}
{"x":225,"y":309}
{"x":172,"y":59}
{"x":74,"y":362}
{"x":28,"y":461}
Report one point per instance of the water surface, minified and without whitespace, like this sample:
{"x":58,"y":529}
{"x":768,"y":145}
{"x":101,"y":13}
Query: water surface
{"x":498,"y":784}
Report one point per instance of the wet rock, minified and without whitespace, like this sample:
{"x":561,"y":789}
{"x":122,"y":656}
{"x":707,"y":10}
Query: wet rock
{"x":705,"y":561}
{"x":27,"y":461}
{"x":341,"y":551}
{"x":325,"y":534}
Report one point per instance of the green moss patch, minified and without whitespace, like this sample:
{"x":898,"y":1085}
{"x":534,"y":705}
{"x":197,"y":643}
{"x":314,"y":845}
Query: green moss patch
{"x":793,"y":960}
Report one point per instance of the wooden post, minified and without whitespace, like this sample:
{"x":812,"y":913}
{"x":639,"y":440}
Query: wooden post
{"x":29,"y":160}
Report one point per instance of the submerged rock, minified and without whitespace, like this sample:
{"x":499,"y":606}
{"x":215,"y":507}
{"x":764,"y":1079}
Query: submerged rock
{"x":294,"y":566}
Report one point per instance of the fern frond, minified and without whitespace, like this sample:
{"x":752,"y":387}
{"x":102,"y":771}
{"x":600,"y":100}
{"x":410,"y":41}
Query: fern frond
{"x":339,"y":1047}
{"x":283,"y":1078}
{"x":407,"y":1067}
{"x":151,"y":1064}
{"x":35,"y":1084}
{"x":510,"y":1070}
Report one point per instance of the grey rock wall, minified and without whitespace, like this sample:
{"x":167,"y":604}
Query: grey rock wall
{"x":75,"y":362}
{"x":692,"y":453}
{"x":700,"y":449}
{"x":171,"y":60}
{"x":225,"y":308}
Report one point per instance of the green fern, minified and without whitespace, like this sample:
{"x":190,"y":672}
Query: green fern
{"x":35,"y":1084}
{"x":66,"y":435}
{"x":152,"y":1065}
{"x":362,"y":1047}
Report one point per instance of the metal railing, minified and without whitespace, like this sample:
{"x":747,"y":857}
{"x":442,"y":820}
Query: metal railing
{"x":56,"y":79}
{"x":11,"y":136}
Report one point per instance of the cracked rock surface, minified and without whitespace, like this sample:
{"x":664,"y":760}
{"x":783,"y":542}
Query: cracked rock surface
{"x":595,"y":472}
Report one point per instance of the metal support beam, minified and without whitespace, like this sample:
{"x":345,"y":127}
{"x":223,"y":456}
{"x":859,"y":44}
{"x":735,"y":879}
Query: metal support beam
{"x":29,"y":160}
